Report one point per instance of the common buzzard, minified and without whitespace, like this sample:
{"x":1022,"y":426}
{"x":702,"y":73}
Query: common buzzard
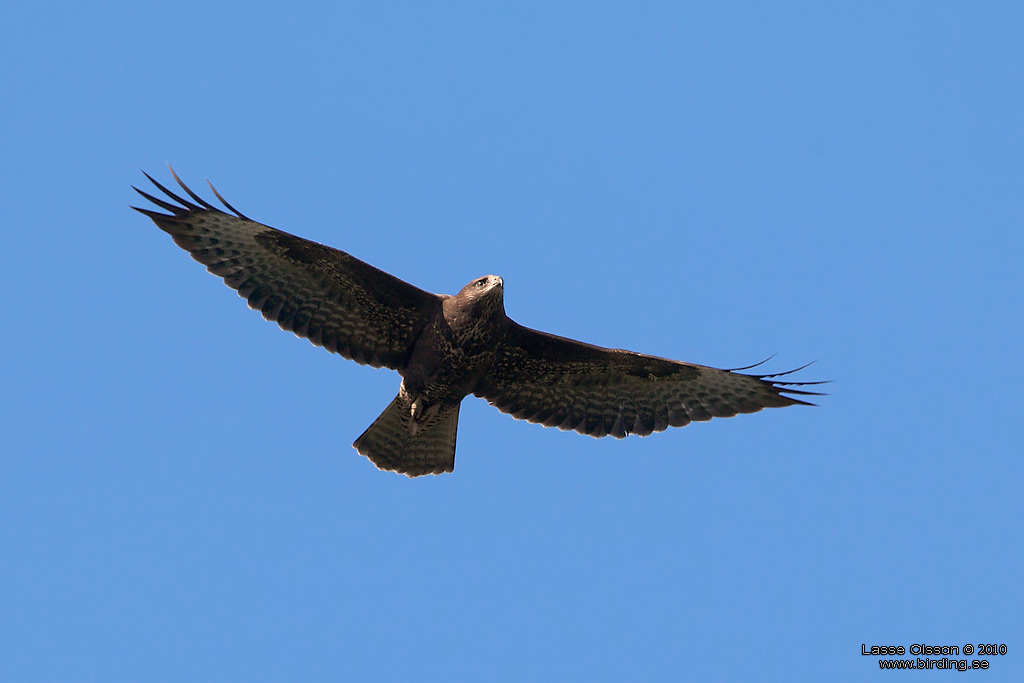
{"x":447,"y":347}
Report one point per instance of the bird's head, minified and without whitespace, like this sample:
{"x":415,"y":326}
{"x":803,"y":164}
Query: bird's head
{"x":486,"y":286}
{"x":484,"y":294}
{"x":480,"y":300}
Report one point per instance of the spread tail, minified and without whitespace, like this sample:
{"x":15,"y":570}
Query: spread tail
{"x":394,"y":442}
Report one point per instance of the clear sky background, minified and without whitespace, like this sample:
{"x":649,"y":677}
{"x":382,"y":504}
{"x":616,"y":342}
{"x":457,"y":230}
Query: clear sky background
{"x":838,"y":182}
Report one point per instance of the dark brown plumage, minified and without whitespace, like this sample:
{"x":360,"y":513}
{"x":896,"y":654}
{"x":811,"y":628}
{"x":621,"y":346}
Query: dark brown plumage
{"x":447,"y":347}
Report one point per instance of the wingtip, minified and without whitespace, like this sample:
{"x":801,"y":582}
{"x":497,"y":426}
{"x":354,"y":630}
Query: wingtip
{"x":186,"y":206}
{"x":188,"y":190}
{"x":788,"y":390}
{"x":749,"y":367}
{"x":788,"y":372}
{"x":225,"y":202}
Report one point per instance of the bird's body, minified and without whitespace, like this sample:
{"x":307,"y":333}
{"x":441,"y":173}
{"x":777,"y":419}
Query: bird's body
{"x":417,"y":433}
{"x":447,"y":347}
{"x":458,"y":346}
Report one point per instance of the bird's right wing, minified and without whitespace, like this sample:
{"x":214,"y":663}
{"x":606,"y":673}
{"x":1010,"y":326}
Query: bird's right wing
{"x":323,"y":294}
{"x":568,"y":384}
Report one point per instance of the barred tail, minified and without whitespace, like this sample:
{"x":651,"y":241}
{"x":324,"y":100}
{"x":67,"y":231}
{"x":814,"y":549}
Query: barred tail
{"x":391,"y":444}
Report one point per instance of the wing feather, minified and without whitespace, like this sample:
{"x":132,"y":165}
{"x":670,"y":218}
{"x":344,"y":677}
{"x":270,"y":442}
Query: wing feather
{"x":572,"y":385}
{"x":319,"y":293}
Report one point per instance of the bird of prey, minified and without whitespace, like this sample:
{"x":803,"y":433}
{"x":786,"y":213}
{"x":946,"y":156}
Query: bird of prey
{"x":447,"y":347}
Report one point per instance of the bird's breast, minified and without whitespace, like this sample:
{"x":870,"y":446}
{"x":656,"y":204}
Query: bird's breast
{"x":446,"y":364}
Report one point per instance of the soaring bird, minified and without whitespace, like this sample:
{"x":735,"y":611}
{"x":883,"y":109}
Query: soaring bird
{"x":447,"y":347}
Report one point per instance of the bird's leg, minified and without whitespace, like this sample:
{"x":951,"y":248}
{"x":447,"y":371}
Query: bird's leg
{"x":422,"y":413}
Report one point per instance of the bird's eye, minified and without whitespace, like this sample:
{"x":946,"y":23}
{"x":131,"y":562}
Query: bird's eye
{"x":481,"y":282}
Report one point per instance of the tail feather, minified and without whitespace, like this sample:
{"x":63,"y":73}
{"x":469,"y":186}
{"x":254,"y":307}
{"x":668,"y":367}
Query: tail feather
{"x":390,"y":443}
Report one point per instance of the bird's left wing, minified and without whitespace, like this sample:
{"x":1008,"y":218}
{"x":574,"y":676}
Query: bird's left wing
{"x":571,"y":385}
{"x":323,"y":294}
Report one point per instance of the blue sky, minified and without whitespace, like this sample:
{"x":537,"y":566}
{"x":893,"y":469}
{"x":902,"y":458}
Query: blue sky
{"x":714,"y":183}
